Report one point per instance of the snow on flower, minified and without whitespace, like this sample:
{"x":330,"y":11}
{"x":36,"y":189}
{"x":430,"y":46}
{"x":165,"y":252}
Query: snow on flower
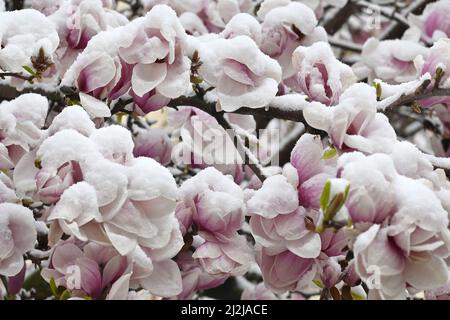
{"x":23,"y":34}
{"x":240,"y":72}
{"x":433,"y":22}
{"x":285,"y":28}
{"x":386,"y":61}
{"x":214,"y":201}
{"x":21,"y":121}
{"x":17,"y":234}
{"x":354,"y":123}
{"x":144,"y":58}
{"x":319,"y":74}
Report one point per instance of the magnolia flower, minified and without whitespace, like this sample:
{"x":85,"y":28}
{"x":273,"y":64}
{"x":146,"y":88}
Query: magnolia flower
{"x":433,"y":22}
{"x":46,"y":7}
{"x":17,"y":236}
{"x":276,"y":197}
{"x":80,"y":20}
{"x":222,"y":255}
{"x":24,"y":33}
{"x":243,"y":24}
{"x":87,"y":272}
{"x":7,"y":193}
{"x":389,"y":60}
{"x":354,"y":123}
{"x":21,"y":121}
{"x":319,"y":74}
{"x":241,"y":73}
{"x":287,"y":231}
{"x":401,"y":255}
{"x":287,"y":27}
{"x":371,"y":181}
{"x":283,"y":271}
{"x":195,"y":278}
{"x":330,"y":272}
{"x":258,"y":292}
{"x":153,"y":143}
{"x":145,"y":56}
{"x":438,"y":57}
{"x":193,"y":24}
{"x":215,"y":202}
{"x":204,"y":142}
{"x":312,"y":169}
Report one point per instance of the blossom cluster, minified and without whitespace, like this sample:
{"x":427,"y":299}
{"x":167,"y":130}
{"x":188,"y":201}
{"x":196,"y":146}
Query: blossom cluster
{"x":103,"y":107}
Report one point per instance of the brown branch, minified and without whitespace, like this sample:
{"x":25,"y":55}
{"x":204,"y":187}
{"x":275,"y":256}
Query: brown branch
{"x":406,"y":99}
{"x":335,"y":23}
{"x":243,"y":150}
{"x":17,"y":75}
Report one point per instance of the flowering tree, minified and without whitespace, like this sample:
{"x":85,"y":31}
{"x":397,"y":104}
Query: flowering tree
{"x":277,"y":149}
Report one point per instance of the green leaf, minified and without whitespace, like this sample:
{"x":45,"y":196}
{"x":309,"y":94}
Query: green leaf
{"x":65,"y":295}
{"x":325,"y":197}
{"x":29,"y":70}
{"x":329,"y":153}
{"x":357,"y":296}
{"x":318,"y":283}
{"x":54,"y":288}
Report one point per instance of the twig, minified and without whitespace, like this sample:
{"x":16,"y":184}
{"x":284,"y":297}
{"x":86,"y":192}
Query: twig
{"x":244,"y":152}
{"x":18,"y":75}
{"x":415,"y":96}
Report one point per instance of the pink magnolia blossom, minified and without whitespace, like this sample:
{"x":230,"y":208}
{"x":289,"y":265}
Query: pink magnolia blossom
{"x":17,"y":234}
{"x":153,"y":143}
{"x":370,"y":198}
{"x":287,"y":27}
{"x":313,"y":171}
{"x":240,"y":72}
{"x":282,"y":272}
{"x":276,"y":197}
{"x":195,"y":279}
{"x":146,"y":56}
{"x":258,"y":292}
{"x":389,"y":60}
{"x":438,"y":57}
{"x":96,"y":266}
{"x":24,"y":33}
{"x":433,"y":22}
{"x":319,"y":74}
{"x":224,"y":255}
{"x":288,"y":231}
{"x":396,"y":257}
{"x":243,"y":24}
{"x":21,"y":121}
{"x":214,"y":201}
{"x":354,"y":123}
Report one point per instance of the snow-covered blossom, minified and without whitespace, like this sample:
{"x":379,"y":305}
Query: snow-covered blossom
{"x":153,"y":143}
{"x":282,"y":272}
{"x":222,"y":255}
{"x":312,"y":169}
{"x":354,"y":123}
{"x":195,"y":278}
{"x":144,"y":58}
{"x":438,"y":58}
{"x":78,"y":21}
{"x":319,"y":74}
{"x":17,"y":235}
{"x":97,"y":267}
{"x":433,"y":22}
{"x":242,"y":75}
{"x":285,"y":28}
{"x":389,"y":60}
{"x":21,"y":121}
{"x":23,"y":34}
{"x":214,"y":201}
